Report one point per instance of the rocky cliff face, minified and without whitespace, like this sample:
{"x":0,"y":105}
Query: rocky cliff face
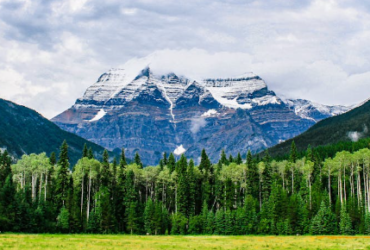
{"x":153,"y":114}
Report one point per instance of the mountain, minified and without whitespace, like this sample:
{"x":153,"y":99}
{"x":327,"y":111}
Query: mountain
{"x":350,"y":126}
{"x":154,"y":113}
{"x":24,"y":131}
{"x":314,"y":111}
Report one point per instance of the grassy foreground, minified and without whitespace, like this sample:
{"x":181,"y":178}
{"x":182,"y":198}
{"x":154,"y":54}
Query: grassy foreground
{"x":91,"y":242}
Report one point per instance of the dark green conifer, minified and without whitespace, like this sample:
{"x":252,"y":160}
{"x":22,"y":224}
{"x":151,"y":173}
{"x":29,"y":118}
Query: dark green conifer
{"x":171,"y":163}
{"x":239,"y":159}
{"x":62,"y":180}
{"x":138,"y":160}
{"x":165,"y":161}
{"x":223,"y":159}
{"x":293,"y":153}
{"x":90,"y":154}
{"x":53,"y":159}
{"x":85,"y":151}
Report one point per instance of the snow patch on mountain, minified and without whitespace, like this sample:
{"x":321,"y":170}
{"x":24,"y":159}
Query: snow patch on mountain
{"x":239,"y":92}
{"x":309,"y":110}
{"x":210,"y":113}
{"x":99,"y":115}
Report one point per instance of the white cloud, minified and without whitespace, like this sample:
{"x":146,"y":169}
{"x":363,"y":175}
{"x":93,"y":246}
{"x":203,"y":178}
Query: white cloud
{"x":304,"y":49}
{"x":197,"y":123}
{"x":129,"y":11}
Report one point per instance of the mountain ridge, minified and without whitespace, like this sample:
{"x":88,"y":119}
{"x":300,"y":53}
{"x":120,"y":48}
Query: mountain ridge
{"x":178,"y":105}
{"x":25,"y":131}
{"x":350,"y":126}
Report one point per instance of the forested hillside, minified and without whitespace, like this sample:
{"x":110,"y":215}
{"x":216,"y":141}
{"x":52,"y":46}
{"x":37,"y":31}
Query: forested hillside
{"x":297,"y":196}
{"x":24,"y":131}
{"x":350,"y":126}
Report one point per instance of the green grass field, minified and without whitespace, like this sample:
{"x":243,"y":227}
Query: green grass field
{"x":92,"y":242}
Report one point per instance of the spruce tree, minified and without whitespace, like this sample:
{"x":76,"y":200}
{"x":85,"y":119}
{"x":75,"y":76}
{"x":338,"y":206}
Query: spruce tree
{"x":63,"y":220}
{"x":231,"y":159}
{"x":7,"y":204}
{"x":239,"y":159}
{"x":309,"y":153}
{"x":192,"y":188}
{"x":149,"y":213}
{"x":183,"y":187}
{"x":220,"y":222}
{"x":253,"y":178}
{"x":171,"y":163}
{"x":138,"y":160}
{"x":367,"y":223}
{"x":165,"y":161}
{"x":120,"y":197}
{"x":158,"y":220}
{"x":104,"y":172}
{"x":223,"y":158}
{"x":122,"y":161}
{"x":205,"y":163}
{"x":105,"y":194}
{"x":293,"y":153}
{"x":85,"y":151}
{"x":324,"y":222}
{"x":53,"y":159}
{"x":90,"y":154}
{"x":345,"y":225}
{"x":62,"y":180}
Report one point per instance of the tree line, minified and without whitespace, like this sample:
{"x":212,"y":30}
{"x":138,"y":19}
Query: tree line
{"x":299,"y":195}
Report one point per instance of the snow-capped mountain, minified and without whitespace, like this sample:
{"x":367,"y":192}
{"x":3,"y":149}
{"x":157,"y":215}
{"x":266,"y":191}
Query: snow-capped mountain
{"x":315,"y":111}
{"x":153,"y":113}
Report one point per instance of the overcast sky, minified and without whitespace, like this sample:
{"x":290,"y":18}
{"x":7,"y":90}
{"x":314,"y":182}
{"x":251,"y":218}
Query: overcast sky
{"x":51,"y":51}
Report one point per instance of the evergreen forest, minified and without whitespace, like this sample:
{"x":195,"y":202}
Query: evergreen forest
{"x":305,"y":193}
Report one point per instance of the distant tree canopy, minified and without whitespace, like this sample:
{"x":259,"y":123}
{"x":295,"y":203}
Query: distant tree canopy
{"x":312,"y":192}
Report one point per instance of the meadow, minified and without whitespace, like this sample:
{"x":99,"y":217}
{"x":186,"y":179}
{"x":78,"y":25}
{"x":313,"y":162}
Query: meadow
{"x":92,"y":242}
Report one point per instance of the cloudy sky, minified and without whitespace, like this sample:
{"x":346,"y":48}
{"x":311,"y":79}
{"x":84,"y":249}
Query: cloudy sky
{"x":52,"y":50}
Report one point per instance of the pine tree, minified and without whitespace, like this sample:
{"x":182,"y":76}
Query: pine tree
{"x":85,"y":151}
{"x":205,"y":163}
{"x":104,"y":172}
{"x":229,"y":222}
{"x":158,"y":219}
{"x":62,"y":181}
{"x":120,"y":192}
{"x":191,"y":188}
{"x":239,"y":159}
{"x":223,"y":158}
{"x":63,"y":220}
{"x":7,"y":204}
{"x":90,"y":154}
{"x":122,"y":160}
{"x":171,"y":163}
{"x":165,"y":161}
{"x":183,"y":186}
{"x":53,"y":159}
{"x":5,"y":169}
{"x":138,"y":160}
{"x":231,"y":159}
{"x":309,"y":153}
{"x":367,"y":223}
{"x":253,"y":179}
{"x":131,"y":203}
{"x":132,"y":225}
{"x":149,"y":213}
{"x":220,"y":222}
{"x":293,"y":153}
{"x":324,"y":222}
{"x":345,"y":225}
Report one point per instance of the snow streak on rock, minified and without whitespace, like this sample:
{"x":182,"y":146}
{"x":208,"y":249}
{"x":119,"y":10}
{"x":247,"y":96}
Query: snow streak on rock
{"x":98,"y":116}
